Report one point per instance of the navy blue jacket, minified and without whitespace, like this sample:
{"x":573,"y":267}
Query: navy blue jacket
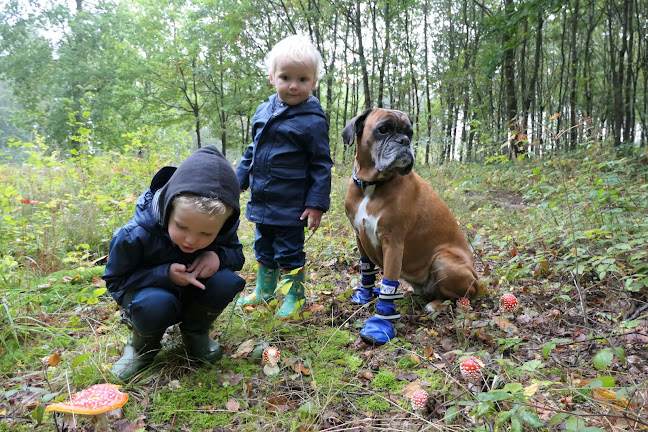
{"x":141,"y":251}
{"x":288,"y":165}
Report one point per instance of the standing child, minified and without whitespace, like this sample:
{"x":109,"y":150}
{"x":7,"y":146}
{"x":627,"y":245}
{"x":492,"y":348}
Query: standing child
{"x":174,"y":262}
{"x":288,"y":170}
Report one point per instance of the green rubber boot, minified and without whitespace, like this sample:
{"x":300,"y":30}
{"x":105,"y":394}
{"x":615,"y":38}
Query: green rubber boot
{"x":265,"y":287}
{"x":139,"y":353}
{"x":195,"y":329}
{"x":294,"y":298}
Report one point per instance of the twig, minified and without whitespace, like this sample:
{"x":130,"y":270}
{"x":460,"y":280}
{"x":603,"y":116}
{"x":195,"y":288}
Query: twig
{"x":637,"y":312}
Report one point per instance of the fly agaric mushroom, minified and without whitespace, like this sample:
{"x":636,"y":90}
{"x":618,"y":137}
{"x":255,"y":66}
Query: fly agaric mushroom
{"x":463,"y":302}
{"x":472,"y":368}
{"x":93,"y":402}
{"x":271,"y":360}
{"x":508,"y":303}
{"x":419,"y":400}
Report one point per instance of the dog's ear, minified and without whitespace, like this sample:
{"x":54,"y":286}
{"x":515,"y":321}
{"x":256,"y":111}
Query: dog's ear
{"x":354,"y":127}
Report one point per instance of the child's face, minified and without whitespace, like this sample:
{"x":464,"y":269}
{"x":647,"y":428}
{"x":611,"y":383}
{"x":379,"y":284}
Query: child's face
{"x":192,"y":230}
{"x":294,"y":81}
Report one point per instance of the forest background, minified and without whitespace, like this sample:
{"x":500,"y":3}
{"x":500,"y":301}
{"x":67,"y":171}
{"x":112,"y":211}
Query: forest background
{"x":530,"y":121}
{"x":480,"y":79}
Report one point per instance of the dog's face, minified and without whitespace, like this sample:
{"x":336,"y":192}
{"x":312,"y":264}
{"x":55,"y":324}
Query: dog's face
{"x":384,"y":140}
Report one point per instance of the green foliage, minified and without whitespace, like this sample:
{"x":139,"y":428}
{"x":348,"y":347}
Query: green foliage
{"x":537,"y":250}
{"x":385,"y":380}
{"x":374,"y":404}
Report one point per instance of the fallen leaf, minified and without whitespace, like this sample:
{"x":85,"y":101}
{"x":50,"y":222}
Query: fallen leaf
{"x":317,"y":308}
{"x":407,"y":376}
{"x":329,"y":263}
{"x":244,"y":349}
{"x":279,"y":403}
{"x":447,"y":344}
{"x":367,"y":375}
{"x":300,"y":368}
{"x":532,"y":389}
{"x":428,"y":352}
{"x":415,"y":359}
{"x":232,"y":405}
{"x":505,"y":325}
{"x":411,"y":388}
{"x":229,"y":378}
{"x":330,"y":419}
{"x":54,"y":359}
{"x":610,"y":397}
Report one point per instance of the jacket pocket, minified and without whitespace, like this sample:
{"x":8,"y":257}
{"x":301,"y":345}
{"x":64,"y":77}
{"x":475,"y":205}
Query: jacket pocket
{"x":287,"y":186}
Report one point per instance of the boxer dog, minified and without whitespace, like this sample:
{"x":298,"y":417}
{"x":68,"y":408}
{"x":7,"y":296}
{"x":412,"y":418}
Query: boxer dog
{"x":401,"y":224}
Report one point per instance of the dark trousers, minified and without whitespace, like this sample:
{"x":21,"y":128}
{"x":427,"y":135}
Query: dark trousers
{"x":152,"y":310}
{"x":278,"y":246}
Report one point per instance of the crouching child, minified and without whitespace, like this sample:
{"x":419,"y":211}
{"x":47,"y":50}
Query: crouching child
{"x":175,"y":260}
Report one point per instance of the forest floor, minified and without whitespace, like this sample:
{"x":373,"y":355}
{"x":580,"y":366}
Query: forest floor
{"x":572,"y":357}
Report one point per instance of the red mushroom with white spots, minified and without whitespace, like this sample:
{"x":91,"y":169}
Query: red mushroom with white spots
{"x":93,"y":402}
{"x":508,"y":303}
{"x":419,"y":400}
{"x":472,"y":368}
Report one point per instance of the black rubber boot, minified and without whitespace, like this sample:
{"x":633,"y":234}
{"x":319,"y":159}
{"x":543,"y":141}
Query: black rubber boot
{"x":139,"y":353}
{"x":195,"y":330}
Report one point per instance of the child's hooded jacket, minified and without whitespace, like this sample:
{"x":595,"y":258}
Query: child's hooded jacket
{"x":288,"y":165}
{"x":142,"y":251}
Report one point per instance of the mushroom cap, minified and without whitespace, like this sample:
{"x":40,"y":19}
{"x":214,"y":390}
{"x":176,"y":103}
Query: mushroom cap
{"x":419,"y":399}
{"x":463,"y":301}
{"x":271,"y":355}
{"x":471,"y":367}
{"x":96,"y":399}
{"x":508,"y":302}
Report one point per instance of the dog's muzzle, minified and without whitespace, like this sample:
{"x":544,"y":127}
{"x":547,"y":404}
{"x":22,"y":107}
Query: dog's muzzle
{"x":395,"y":154}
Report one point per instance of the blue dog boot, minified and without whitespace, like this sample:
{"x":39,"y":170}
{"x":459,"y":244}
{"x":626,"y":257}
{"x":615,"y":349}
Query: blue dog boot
{"x":379,"y":329}
{"x":366,"y":291}
{"x":363,"y":294}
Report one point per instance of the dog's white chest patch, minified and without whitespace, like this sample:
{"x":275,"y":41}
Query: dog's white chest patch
{"x":364,"y":222}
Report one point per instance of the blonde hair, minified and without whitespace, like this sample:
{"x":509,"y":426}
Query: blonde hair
{"x":298,"y":49}
{"x":209,"y":206}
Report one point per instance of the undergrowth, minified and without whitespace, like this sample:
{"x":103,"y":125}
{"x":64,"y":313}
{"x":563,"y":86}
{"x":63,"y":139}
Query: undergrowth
{"x":566,"y":235}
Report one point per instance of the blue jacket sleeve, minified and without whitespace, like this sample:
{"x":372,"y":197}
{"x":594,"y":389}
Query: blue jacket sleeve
{"x":319,"y":195}
{"x":243,"y":168}
{"x":229,"y":249}
{"x":126,"y":268}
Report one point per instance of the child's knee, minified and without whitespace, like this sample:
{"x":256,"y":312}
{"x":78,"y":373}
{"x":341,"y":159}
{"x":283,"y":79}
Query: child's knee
{"x":154,"y":312}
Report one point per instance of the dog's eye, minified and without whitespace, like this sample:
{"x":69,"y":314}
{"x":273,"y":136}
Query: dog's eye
{"x":383,"y":130}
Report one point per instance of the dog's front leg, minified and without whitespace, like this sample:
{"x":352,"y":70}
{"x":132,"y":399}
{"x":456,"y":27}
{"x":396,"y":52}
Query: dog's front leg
{"x":366,"y":290}
{"x":379,"y":329}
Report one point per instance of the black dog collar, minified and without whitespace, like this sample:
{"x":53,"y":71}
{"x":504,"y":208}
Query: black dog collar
{"x":362,"y":184}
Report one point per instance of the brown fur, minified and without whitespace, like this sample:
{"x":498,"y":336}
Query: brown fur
{"x":419,"y":240}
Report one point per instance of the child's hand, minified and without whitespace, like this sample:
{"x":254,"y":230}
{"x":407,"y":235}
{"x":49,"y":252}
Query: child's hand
{"x":314,"y":217}
{"x":179,"y":276}
{"x":205,"y":265}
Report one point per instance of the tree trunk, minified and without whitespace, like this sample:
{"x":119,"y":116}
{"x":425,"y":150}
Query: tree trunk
{"x":573,"y":133}
{"x":385,"y":56}
{"x":508,"y":69}
{"x":427,"y":82}
{"x":362,"y":58}
{"x":629,"y":93}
